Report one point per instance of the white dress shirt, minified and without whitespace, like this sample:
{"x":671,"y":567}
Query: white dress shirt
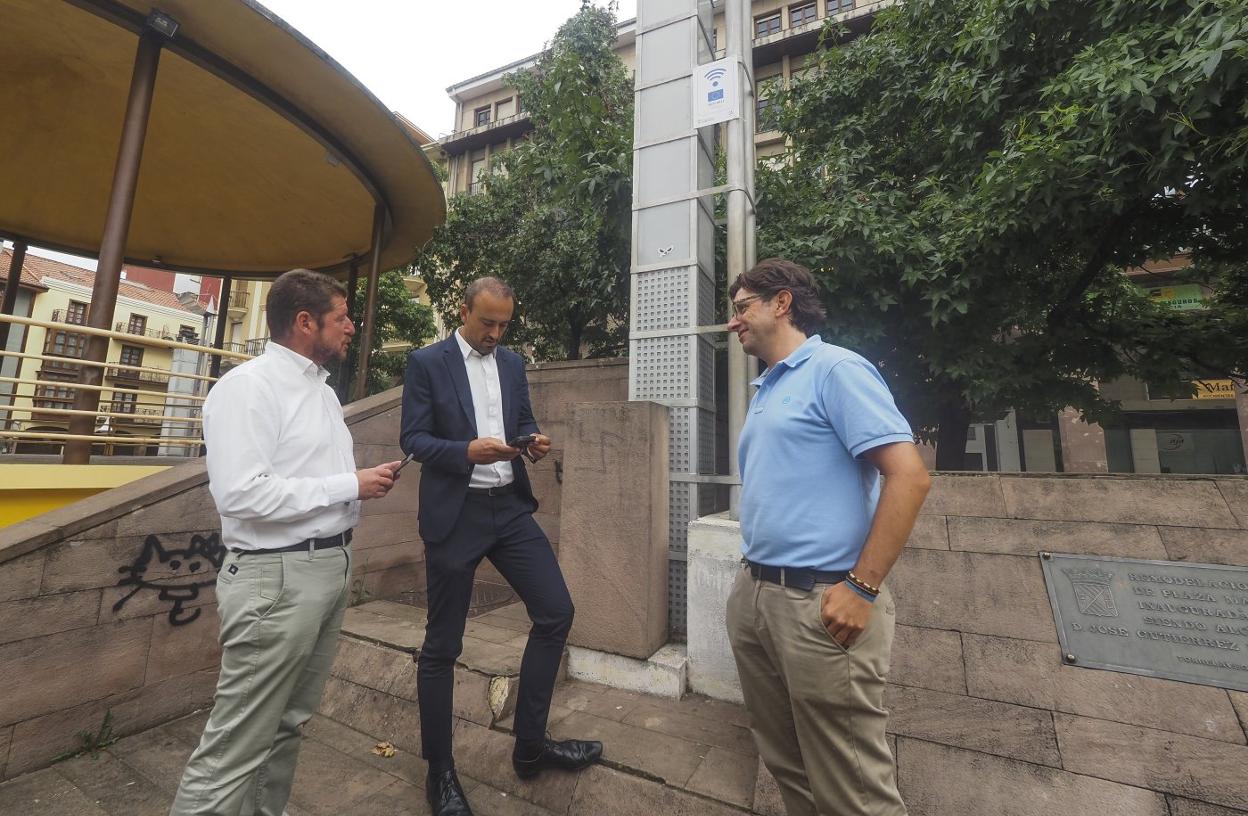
{"x":487,"y":405}
{"x":281,"y":462}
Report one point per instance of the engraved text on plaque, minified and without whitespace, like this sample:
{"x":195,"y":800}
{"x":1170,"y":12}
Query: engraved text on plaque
{"x":1156,"y":618}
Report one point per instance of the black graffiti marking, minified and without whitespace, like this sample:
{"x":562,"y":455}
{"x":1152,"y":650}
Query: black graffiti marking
{"x":201,"y":551}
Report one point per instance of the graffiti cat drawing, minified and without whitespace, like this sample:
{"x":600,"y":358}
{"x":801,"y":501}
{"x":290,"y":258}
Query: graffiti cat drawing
{"x":204,"y":554}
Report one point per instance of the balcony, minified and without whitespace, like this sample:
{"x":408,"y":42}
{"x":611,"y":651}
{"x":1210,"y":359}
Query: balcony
{"x":490,"y":133}
{"x":240,"y":302}
{"x":855,"y":15}
{"x":66,"y":316}
{"x":144,"y":377}
{"x":154,"y":334}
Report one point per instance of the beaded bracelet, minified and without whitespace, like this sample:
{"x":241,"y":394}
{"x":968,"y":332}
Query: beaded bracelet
{"x":861,"y":584}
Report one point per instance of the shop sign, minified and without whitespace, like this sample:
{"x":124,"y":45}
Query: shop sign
{"x":1182,"y":298}
{"x":1214,"y":389}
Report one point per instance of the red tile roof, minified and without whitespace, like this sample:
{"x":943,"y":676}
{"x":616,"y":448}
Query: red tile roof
{"x":35,"y":269}
{"x":29,"y":277}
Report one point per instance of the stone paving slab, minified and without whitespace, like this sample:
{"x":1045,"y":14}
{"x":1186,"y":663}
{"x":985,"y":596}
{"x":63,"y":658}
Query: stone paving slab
{"x":46,"y":793}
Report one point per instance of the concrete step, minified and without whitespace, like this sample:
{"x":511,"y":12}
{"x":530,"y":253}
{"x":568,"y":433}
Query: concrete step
{"x":690,"y":756}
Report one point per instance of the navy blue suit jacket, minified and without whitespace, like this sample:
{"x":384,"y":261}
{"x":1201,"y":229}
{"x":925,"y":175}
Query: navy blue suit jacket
{"x":439,"y":421}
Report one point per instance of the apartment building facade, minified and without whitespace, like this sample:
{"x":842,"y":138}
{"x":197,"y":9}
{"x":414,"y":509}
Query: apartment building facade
{"x":1206,"y":434}
{"x":61,"y":293}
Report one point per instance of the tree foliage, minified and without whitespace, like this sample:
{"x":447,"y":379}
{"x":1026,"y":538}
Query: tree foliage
{"x":969,"y":181}
{"x":553,"y":217}
{"x":399,"y":318}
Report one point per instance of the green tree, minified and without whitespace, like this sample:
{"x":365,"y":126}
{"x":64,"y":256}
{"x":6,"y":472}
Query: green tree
{"x":969,"y":180}
{"x":553,"y":217}
{"x":399,"y":318}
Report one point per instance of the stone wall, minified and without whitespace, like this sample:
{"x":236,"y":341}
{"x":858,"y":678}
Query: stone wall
{"x":108,"y":605}
{"x":986,"y":717}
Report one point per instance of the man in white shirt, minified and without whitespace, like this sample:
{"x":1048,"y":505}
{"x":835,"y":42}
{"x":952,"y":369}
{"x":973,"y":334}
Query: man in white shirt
{"x":465,"y":400}
{"x":281,"y":470}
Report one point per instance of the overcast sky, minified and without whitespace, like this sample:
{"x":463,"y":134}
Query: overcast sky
{"x":408,"y":51}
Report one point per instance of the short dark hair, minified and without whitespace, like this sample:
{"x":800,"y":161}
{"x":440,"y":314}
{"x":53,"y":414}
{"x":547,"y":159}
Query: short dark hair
{"x":299,"y":290}
{"x":774,"y":275}
{"x":495,"y":286}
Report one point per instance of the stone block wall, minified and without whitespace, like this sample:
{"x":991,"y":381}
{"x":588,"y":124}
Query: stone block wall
{"x":107,"y":605}
{"x":985,"y":715}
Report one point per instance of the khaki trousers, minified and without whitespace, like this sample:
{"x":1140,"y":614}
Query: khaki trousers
{"x":816,"y":709}
{"x":280,"y":617}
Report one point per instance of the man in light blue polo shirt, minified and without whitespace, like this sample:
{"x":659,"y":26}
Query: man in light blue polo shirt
{"x":831,"y":486}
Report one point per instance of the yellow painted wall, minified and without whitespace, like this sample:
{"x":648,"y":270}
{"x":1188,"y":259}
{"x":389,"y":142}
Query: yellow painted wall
{"x":29,"y":490}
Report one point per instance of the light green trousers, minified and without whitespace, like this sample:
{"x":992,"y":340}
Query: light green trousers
{"x":816,"y":708}
{"x":280,"y":617}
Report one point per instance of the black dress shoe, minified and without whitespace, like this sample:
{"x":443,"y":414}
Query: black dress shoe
{"x":570,"y":755}
{"x":445,"y":795}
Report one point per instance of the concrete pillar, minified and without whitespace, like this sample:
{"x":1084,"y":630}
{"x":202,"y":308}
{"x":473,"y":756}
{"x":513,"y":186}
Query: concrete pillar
{"x":613,"y":545}
{"x":1083,"y":444}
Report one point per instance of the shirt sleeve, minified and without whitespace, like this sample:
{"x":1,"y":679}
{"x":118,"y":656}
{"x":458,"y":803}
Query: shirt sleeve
{"x":241,"y":432}
{"x":861,"y":408}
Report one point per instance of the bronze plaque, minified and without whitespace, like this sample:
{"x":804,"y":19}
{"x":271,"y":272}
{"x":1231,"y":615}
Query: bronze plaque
{"x":1156,"y":618}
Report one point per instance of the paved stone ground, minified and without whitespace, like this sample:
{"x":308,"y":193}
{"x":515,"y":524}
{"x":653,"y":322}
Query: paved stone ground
{"x":647,"y":739}
{"x":693,"y":756}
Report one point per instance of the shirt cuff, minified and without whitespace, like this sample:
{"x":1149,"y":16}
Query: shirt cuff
{"x":343,"y":487}
{"x":879,"y":442}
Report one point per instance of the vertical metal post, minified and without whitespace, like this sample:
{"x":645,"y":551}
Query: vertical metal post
{"x":223,"y":308}
{"x":739,"y":134}
{"x":346,"y":369}
{"x":9,"y":307}
{"x":113,"y":245}
{"x":360,"y":389}
{"x":10,"y":292}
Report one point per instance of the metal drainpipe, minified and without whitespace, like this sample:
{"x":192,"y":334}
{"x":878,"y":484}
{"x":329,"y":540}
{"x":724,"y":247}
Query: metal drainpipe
{"x":740,"y":138}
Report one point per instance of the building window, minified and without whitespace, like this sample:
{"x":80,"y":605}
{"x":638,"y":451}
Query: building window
{"x":124,"y":402}
{"x":801,"y":14}
{"x":505,"y":108}
{"x":837,"y":6}
{"x":767,"y":24}
{"x":765,"y":105}
{"x":131,"y":356}
{"x":51,"y":396}
{"x":65,"y":344}
{"x":481,"y":116}
{"x":477,"y":175}
{"x":187,"y":334}
{"x":137,"y":324}
{"x":76,"y":313}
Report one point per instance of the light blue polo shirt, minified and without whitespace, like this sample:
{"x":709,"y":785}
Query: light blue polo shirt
{"x":807,"y":496}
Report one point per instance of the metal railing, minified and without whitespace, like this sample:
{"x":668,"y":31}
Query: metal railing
{"x":240,"y":300}
{"x":66,"y":316}
{"x":122,"y":327}
{"x":136,"y":409}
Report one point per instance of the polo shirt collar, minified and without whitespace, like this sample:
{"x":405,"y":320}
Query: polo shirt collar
{"x":293,"y":359}
{"x":466,"y":350}
{"x":798,"y":356}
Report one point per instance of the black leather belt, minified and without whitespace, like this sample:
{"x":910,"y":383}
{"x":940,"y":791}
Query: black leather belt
{"x":340,"y":540}
{"x":795,"y":577}
{"x":501,"y":490}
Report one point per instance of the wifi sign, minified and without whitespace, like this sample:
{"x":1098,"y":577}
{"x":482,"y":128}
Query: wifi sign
{"x":714,"y":76}
{"x":717,"y":98}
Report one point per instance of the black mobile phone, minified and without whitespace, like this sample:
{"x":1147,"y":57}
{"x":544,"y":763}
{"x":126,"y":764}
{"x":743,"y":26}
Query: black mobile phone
{"x":403,"y":464}
{"x":521,"y":442}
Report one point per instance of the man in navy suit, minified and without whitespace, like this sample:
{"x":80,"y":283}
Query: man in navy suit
{"x":464,"y":398}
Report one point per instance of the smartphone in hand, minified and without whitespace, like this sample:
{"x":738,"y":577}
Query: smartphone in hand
{"x":403,"y":464}
{"x":522,"y":442}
